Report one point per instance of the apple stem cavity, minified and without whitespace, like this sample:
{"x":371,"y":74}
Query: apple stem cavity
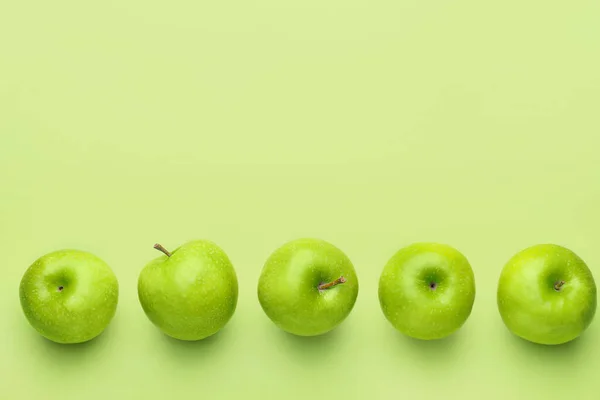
{"x":324,"y":286}
{"x":558,"y":285}
{"x":60,"y":288}
{"x":160,"y":248}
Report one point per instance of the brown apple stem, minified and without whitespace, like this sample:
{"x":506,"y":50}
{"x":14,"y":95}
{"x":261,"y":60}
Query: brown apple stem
{"x":159,"y":247}
{"x":324,"y":286}
{"x":559,"y":285}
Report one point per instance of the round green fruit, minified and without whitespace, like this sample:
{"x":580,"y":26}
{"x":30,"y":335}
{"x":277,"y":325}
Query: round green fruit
{"x":546,"y":294}
{"x":69,"y":296}
{"x":191,"y":293}
{"x":427,"y":290}
{"x":307,"y":287}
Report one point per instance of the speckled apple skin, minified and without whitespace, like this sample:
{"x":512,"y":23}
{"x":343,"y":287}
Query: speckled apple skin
{"x":411,"y":305}
{"x":529,"y":305}
{"x":288,"y":287}
{"x":83,"y":306}
{"x":192,"y":294}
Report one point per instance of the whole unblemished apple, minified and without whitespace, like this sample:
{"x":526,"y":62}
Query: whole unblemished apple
{"x":69,"y":296}
{"x":546,"y":294}
{"x":190,"y":293}
{"x":307,"y":287}
{"x":427,"y":290}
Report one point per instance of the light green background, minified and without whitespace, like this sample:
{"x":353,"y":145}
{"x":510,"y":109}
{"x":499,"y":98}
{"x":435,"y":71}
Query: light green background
{"x":368,"y":123}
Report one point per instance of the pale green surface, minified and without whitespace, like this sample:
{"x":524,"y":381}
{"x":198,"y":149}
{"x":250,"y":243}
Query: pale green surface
{"x":371,"y":124}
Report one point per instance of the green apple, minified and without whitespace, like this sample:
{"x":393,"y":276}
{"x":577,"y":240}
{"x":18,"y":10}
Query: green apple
{"x":191,"y":293}
{"x":546,"y":294}
{"x":69,"y":296}
{"x":427,"y":290}
{"x":307,"y":287}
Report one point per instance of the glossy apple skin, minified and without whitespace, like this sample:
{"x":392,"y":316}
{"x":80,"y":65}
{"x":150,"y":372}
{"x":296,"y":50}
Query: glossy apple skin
{"x":288,"y":287}
{"x":406,"y":296}
{"x":85,"y":305}
{"x":532,"y":308}
{"x":192,"y":294}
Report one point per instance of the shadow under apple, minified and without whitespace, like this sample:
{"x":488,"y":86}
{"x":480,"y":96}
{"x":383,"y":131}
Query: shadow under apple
{"x":428,"y":354}
{"x":309,"y":350}
{"x":194,"y":351}
{"x":563,"y":354}
{"x":61,"y":357}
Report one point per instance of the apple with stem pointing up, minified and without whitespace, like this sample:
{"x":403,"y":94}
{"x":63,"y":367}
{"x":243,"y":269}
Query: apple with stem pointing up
{"x":307,"y":287}
{"x":190,"y":293}
{"x":546,"y":294}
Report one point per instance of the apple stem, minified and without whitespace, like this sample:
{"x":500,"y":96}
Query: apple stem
{"x":324,"y":286}
{"x":159,"y":247}
{"x":559,"y":285}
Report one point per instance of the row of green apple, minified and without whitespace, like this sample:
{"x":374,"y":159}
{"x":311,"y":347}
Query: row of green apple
{"x":546,"y":293}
